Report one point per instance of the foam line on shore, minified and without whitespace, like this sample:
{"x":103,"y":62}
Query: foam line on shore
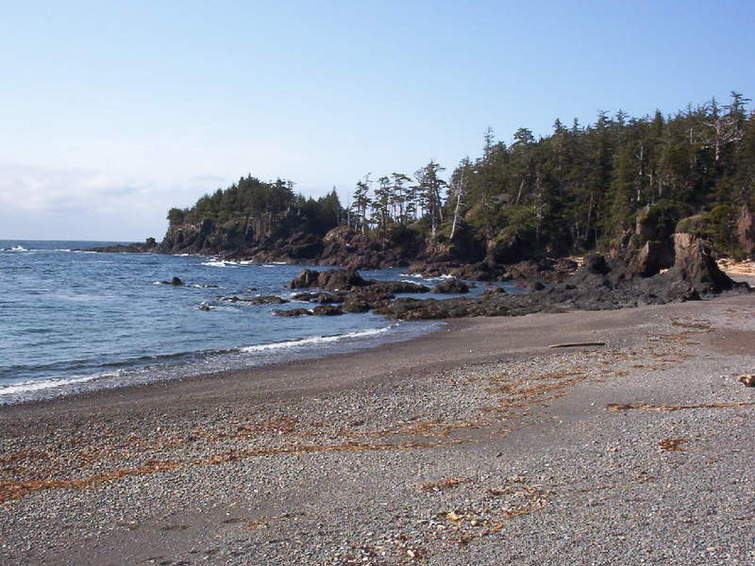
{"x":315,"y":340}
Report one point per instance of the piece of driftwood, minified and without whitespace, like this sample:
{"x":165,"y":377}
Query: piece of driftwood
{"x":576,"y":344}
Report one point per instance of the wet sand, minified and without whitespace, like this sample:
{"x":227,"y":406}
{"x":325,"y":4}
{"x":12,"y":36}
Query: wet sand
{"x":478,"y":444}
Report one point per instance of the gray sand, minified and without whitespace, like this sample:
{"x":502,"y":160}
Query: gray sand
{"x":475,"y":445}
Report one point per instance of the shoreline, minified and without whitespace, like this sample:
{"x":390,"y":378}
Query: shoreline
{"x":452,"y":448}
{"x":272,"y":375}
{"x":288,"y":351}
{"x":96,"y":392}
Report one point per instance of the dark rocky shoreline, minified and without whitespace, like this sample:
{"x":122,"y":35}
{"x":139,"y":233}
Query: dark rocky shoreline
{"x":600,"y":284}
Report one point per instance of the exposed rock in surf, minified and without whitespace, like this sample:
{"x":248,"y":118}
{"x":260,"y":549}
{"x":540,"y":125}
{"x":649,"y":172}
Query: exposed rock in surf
{"x":350,"y":280}
{"x":149,"y":246}
{"x":322,"y":298}
{"x":356,"y":305}
{"x":451,"y":286}
{"x":383,"y":287}
{"x":327,"y":310}
{"x":293,"y":312}
{"x":176,"y":281}
{"x":331,"y":280}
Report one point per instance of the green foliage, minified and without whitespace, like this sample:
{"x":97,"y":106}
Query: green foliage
{"x":717,"y":225}
{"x":571,"y":191}
{"x":253,"y":200}
{"x":586,"y":185}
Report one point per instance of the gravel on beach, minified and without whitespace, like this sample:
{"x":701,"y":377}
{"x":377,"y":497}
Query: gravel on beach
{"x":477,"y":445}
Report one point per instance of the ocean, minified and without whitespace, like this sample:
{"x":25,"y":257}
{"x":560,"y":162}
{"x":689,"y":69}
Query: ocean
{"x":73,"y":321}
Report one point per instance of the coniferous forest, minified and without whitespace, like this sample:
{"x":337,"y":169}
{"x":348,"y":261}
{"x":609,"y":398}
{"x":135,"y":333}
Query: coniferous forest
{"x":577,"y":189}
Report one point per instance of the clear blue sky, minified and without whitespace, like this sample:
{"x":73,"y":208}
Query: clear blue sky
{"x":112,"y":112}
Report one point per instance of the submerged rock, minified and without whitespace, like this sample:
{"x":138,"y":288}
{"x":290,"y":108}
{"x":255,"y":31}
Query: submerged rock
{"x":263,"y":300}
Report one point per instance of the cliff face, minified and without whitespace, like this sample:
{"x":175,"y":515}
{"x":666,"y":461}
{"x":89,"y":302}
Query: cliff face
{"x":284,"y":238}
{"x":267,"y":236}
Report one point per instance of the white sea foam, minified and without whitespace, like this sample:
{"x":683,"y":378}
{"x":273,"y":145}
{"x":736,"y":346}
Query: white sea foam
{"x":217,"y":263}
{"x":315,"y":340}
{"x":29,"y":386}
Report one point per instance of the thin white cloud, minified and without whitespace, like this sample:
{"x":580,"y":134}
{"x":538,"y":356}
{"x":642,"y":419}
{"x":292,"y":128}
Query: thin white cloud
{"x":52,"y":197}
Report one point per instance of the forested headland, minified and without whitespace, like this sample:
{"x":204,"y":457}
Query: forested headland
{"x":578,"y":189}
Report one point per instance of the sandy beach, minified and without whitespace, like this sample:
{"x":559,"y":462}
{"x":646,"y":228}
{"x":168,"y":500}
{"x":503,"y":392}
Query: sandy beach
{"x":478,"y":444}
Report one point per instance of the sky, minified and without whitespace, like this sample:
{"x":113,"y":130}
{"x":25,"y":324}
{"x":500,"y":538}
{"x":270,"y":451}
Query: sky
{"x":113,"y":112}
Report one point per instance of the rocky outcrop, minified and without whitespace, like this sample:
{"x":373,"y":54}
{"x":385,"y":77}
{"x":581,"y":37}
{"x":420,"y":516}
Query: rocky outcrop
{"x":344,"y":246}
{"x":601,"y":284}
{"x":327,"y":310}
{"x":694,"y":264}
{"x":545,"y":269}
{"x":149,"y":246}
{"x":651,"y":258}
{"x":331,"y":280}
{"x":349,"y":279}
{"x":745,"y":229}
{"x":293,"y":312}
{"x":451,"y":286}
{"x":389,"y":287}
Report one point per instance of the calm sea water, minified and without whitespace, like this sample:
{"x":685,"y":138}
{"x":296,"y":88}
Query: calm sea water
{"x":73,"y":321}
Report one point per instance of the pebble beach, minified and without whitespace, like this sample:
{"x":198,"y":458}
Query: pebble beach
{"x":478,"y":444}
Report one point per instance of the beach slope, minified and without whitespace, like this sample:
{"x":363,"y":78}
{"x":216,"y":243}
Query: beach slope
{"x":478,"y":444}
